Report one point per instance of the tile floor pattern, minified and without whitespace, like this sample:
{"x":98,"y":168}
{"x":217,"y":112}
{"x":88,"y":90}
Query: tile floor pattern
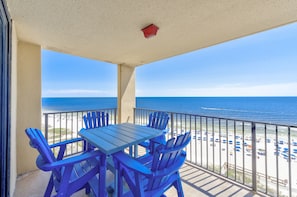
{"x":196,"y":182}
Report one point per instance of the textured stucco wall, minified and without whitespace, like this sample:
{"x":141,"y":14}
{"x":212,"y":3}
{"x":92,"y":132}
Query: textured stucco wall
{"x":28,"y":102}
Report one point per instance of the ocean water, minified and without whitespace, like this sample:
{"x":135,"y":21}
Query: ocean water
{"x":280,"y":110}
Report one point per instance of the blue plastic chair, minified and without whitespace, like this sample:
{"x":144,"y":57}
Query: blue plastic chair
{"x":95,"y":120}
{"x":70,"y":174}
{"x":157,"y":120}
{"x":152,"y":175}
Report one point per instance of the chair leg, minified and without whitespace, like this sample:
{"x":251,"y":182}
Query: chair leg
{"x":179,"y":189}
{"x":102,"y":177}
{"x":178,"y":186}
{"x":88,"y":189}
{"x":49,"y":187}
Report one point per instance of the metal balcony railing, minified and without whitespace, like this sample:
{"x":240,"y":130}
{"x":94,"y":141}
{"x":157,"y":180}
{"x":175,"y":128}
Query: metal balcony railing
{"x":259,"y":155}
{"x":60,"y":126}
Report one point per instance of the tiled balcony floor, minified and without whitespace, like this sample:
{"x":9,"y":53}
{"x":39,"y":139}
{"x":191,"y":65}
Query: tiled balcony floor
{"x":196,"y":182}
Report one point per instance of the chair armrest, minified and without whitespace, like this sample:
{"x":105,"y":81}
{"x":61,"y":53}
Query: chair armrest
{"x":68,"y":161}
{"x":66,"y":142}
{"x":62,"y":145}
{"x":131,"y":163}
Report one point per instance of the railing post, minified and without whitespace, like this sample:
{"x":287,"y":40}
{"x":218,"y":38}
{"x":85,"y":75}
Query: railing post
{"x":115,"y":116}
{"x":46,"y":126}
{"x":290,"y":160}
{"x":134,"y":115}
{"x":133,"y":150}
{"x":254,"y":158}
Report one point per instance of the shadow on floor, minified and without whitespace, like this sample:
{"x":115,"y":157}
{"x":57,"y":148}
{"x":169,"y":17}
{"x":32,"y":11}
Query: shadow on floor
{"x":195,"y":181}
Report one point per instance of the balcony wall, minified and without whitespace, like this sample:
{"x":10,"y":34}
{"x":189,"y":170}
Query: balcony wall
{"x":25,"y":104}
{"x":28,"y":101}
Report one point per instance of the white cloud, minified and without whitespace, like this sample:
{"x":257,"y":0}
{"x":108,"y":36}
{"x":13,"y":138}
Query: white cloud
{"x":284,"y":89}
{"x":77,"y":93}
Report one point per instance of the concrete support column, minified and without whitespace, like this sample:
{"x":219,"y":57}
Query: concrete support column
{"x":126,"y":93}
{"x":28,"y":102}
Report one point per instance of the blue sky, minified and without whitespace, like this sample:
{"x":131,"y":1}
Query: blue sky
{"x":263,"y":64}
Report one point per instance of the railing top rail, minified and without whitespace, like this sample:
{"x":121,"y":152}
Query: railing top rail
{"x":84,"y":110}
{"x":223,"y":118}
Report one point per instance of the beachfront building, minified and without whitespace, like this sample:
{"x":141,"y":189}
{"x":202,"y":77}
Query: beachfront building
{"x":109,"y":31}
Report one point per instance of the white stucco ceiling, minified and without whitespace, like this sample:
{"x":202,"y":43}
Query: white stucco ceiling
{"x":110,"y":30}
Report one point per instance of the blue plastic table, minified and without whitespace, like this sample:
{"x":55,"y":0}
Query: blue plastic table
{"x":114,"y":138}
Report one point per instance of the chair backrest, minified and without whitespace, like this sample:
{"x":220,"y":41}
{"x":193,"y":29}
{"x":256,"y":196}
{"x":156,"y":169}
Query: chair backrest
{"x":158,"y":120}
{"x":69,"y":175}
{"x":167,"y":160}
{"x":38,"y":142}
{"x":96,"y":119}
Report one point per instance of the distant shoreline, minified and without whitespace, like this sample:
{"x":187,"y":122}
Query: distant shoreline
{"x":172,"y":96}
{"x":275,"y":110}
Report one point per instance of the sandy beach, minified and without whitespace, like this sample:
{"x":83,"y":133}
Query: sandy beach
{"x":236,"y":152}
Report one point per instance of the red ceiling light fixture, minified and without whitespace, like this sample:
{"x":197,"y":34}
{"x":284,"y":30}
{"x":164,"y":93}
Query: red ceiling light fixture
{"x":150,"y":31}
